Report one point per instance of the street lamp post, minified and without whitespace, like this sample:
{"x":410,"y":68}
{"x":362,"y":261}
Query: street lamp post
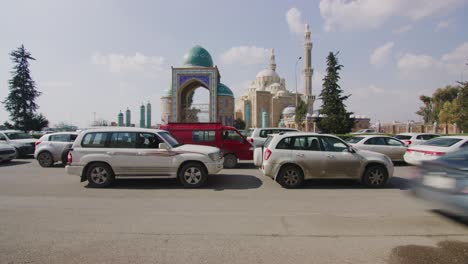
{"x":295,"y":76}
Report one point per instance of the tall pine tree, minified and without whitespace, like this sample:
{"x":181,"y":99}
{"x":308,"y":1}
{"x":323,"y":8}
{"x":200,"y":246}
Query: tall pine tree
{"x":335,"y":119}
{"x":21,"y":100}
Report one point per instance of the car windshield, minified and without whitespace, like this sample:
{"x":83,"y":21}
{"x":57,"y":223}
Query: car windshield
{"x":170,"y":139}
{"x":354,"y":140}
{"x":441,"y":142}
{"x":17,"y":135}
{"x":403,"y":137}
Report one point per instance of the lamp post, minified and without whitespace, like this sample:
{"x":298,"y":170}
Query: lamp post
{"x":295,"y":76}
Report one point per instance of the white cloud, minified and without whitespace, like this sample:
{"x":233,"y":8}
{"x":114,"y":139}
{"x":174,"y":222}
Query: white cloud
{"x":245,"y":55}
{"x":442,"y":24}
{"x":370,"y":14}
{"x":375,"y":89}
{"x":381,"y":55}
{"x":294,"y":19}
{"x":118,"y":63}
{"x":451,"y":62}
{"x":403,"y":29}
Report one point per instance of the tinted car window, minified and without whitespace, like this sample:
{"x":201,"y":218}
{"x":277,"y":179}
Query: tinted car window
{"x":148,"y":141}
{"x":232,"y":135}
{"x":123,"y":140}
{"x":403,"y":137}
{"x":354,"y":140}
{"x":284,"y":143}
{"x":441,"y":142}
{"x":203,"y":135}
{"x":333,"y":144}
{"x":376,"y":141}
{"x":60,"y":138}
{"x":95,"y":140}
{"x":428,"y":137}
{"x":394,"y":142}
{"x":18,"y":135}
{"x":73,"y":137}
{"x":264,"y":133}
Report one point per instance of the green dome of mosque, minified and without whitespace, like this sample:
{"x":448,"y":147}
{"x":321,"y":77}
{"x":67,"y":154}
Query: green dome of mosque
{"x":198,"y":57}
{"x":223,"y":90}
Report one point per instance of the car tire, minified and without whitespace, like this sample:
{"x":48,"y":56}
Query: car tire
{"x":45,"y":159}
{"x":375,"y":176}
{"x":290,"y":177}
{"x":192,"y":175}
{"x":230,"y":161}
{"x":64,"y":157}
{"x":100,"y":175}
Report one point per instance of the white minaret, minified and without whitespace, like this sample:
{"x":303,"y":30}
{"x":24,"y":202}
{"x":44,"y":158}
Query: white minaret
{"x":272,"y":60}
{"x":308,"y":71}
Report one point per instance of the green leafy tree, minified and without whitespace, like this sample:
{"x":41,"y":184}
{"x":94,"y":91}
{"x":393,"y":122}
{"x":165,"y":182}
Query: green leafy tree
{"x":461,"y":118}
{"x":239,"y":123}
{"x":301,"y":112}
{"x":21,"y":100}
{"x":426,"y":111}
{"x":335,"y":118}
{"x":448,"y":113}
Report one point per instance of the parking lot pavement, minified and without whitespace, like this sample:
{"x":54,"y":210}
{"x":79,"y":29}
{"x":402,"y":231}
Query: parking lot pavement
{"x":48,"y":216}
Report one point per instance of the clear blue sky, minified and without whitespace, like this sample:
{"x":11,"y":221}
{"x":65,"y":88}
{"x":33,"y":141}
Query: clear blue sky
{"x":102,"y":56}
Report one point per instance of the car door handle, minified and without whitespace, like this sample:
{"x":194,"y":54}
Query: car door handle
{"x":110,"y":153}
{"x":330,"y":156}
{"x":140,"y":153}
{"x":300,"y":155}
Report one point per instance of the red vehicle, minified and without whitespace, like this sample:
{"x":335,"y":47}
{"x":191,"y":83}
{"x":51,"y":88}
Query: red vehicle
{"x":233,"y":145}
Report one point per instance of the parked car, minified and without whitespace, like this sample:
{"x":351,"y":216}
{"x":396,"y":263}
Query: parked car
{"x":22,"y":142}
{"x":392,"y":147}
{"x":7,"y":152}
{"x":434,"y":148}
{"x":257,"y":136}
{"x":412,"y":139}
{"x":51,"y":148}
{"x":104,"y":154}
{"x":444,"y":181}
{"x":364,"y":131}
{"x":292,"y":158}
{"x":233,"y":145}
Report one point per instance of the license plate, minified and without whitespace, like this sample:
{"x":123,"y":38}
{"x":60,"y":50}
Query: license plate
{"x":439,"y":182}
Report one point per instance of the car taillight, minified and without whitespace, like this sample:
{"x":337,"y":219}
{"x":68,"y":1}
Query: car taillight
{"x":407,"y":142}
{"x":69,"y":158}
{"x":267,"y":154}
{"x":251,"y":140}
{"x":434,"y":153}
{"x":37,"y":143}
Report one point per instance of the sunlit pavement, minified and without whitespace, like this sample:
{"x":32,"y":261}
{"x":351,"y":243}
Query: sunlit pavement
{"x":47,"y":216}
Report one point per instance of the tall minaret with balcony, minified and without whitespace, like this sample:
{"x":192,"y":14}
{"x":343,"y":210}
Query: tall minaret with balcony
{"x":308,"y":71}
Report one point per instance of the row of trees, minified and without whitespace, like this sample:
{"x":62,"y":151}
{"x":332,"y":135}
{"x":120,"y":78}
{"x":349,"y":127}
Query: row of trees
{"x":448,"y":105}
{"x":21,"y":100}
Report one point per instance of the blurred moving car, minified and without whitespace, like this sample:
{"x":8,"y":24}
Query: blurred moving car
{"x":392,"y":147}
{"x":415,"y":138}
{"x":444,"y":181}
{"x":22,"y":142}
{"x":7,"y":152}
{"x":54,"y":147}
{"x":434,"y":148}
{"x":291,"y":158}
{"x":364,"y":131}
{"x":257,"y":136}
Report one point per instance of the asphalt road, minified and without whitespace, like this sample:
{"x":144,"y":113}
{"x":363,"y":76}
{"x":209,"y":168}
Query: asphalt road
{"x":47,"y":216}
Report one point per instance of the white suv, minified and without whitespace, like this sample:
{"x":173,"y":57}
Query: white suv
{"x":257,"y":136}
{"x":412,"y":139}
{"x":292,"y":158}
{"x":102,"y":155}
{"x":54,"y":147}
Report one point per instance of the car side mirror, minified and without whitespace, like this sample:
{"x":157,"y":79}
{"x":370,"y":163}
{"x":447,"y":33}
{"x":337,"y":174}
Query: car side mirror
{"x":163,"y":146}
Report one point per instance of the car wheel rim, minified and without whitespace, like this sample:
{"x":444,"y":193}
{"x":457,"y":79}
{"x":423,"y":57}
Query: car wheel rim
{"x":99,"y":175}
{"x":44,"y":159}
{"x":376,"y":177}
{"x":192,"y":175}
{"x":291,"y":177}
{"x":230,"y":162}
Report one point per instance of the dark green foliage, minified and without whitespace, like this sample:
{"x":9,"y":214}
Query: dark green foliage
{"x":335,"y":118}
{"x":462,"y":100}
{"x":239,"y":124}
{"x":301,"y":112}
{"x":21,"y":100}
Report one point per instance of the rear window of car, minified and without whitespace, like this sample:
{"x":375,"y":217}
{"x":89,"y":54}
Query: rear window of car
{"x":442,"y":142}
{"x":60,"y":138}
{"x":95,"y":140}
{"x":267,"y":141}
{"x":354,"y":140}
{"x":403,"y":137}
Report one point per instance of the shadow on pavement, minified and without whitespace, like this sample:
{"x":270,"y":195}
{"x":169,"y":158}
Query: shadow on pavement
{"x":13,"y":163}
{"x":455,"y":218}
{"x":245,"y":166}
{"x":394,"y":183}
{"x":401,"y":164}
{"x":446,"y":252}
{"x":217,"y":182}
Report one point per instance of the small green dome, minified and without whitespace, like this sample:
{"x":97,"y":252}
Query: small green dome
{"x":223,"y":90}
{"x":198,"y":56}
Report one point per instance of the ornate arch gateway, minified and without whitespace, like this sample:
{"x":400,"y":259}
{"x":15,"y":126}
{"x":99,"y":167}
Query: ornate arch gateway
{"x":198,"y":71}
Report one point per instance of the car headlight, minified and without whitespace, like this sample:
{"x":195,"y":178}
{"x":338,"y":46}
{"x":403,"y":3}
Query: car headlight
{"x":213,"y":156}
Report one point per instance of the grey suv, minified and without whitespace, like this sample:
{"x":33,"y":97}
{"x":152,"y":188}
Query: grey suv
{"x":292,"y":158}
{"x":54,"y":147}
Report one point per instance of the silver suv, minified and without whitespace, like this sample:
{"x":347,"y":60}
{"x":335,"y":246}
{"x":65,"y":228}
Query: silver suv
{"x":257,"y":136}
{"x":54,"y":147}
{"x":292,"y":158}
{"x":102,"y":155}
